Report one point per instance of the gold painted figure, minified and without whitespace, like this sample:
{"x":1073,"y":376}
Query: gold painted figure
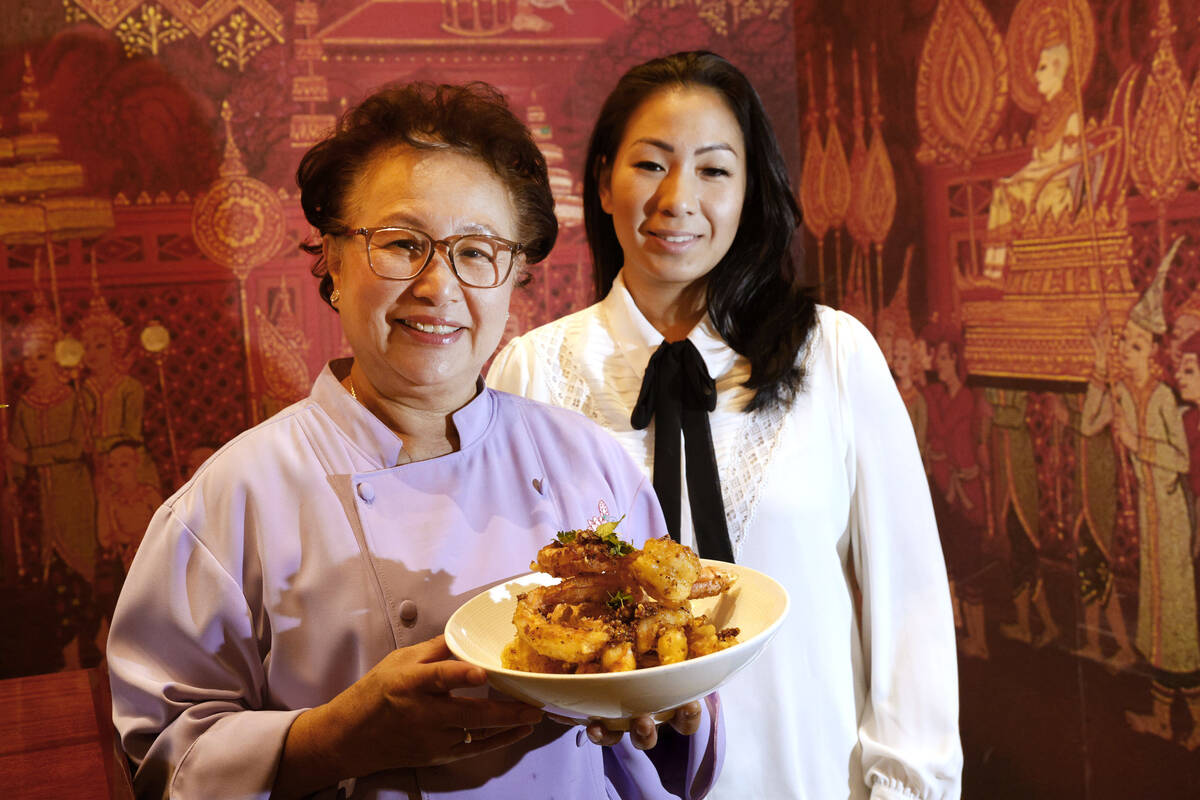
{"x":1039,"y":189}
{"x":1146,"y":421}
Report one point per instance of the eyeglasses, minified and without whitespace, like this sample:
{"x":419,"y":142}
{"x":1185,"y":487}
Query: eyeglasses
{"x":477,"y":260}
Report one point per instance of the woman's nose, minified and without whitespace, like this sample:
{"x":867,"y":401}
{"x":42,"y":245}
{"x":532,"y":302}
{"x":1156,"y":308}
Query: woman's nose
{"x":437,"y":280}
{"x":677,"y":194}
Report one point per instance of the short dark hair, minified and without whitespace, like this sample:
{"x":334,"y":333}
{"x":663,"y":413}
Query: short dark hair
{"x":473,"y":119}
{"x":754,"y":296}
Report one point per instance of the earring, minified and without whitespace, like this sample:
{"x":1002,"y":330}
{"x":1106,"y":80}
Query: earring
{"x":335,"y":296}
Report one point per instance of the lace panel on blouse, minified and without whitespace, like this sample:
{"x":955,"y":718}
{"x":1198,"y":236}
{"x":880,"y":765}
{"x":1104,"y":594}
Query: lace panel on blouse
{"x":742,"y":459}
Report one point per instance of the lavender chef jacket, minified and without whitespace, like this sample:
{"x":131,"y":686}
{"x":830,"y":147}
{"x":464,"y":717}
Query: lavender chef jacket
{"x":298,"y":557}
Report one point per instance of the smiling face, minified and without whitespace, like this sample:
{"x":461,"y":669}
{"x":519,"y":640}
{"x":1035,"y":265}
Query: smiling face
{"x":675,"y":190}
{"x":423,"y":340}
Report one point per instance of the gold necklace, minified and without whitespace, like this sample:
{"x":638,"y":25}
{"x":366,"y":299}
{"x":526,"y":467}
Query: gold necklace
{"x":353,"y":393}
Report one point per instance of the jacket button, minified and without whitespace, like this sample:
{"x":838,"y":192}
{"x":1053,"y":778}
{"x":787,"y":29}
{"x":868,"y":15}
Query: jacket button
{"x":366,"y":491}
{"x":408,"y":612}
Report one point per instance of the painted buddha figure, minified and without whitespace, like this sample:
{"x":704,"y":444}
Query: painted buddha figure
{"x":1041,"y":188}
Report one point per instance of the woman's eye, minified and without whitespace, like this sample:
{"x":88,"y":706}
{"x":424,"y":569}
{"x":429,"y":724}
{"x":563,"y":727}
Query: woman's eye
{"x":714,"y":172}
{"x":404,"y":245}
{"x":649,"y":166}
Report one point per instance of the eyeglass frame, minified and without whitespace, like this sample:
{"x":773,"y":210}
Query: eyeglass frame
{"x":448,"y":243}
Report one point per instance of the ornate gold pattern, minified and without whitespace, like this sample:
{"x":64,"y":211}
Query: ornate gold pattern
{"x":962,"y":83}
{"x":239,"y":222}
{"x":308,"y":129}
{"x":149,"y":32}
{"x":855,"y":223}
{"x":896,"y":312}
{"x":476,"y":18}
{"x":283,"y":344}
{"x":816,"y":218}
{"x":238,"y":42}
{"x":879,"y":206}
{"x":310,"y":89}
{"x":72,"y":13}
{"x":197,"y":19}
{"x":1155,"y":165}
{"x":306,"y":12}
{"x":835,"y":171}
{"x":723,"y":16}
{"x":1189,"y":131}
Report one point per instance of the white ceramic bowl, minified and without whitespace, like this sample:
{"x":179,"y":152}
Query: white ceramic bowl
{"x":479,"y":630}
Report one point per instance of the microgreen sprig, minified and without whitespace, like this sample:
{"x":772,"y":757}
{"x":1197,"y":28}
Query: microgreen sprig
{"x":619,"y":598}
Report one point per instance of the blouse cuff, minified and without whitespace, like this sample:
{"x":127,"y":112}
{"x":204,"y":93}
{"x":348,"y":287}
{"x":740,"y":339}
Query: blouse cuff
{"x":886,"y":788}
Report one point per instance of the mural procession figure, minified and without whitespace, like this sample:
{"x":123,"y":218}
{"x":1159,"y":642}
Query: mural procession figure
{"x":1093,"y":528}
{"x":959,"y":496}
{"x":1015,"y":500}
{"x":1146,"y":420}
{"x":47,"y":447}
{"x":126,"y":506}
{"x":115,"y":397}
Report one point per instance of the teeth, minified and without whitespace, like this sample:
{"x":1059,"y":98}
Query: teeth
{"x":421,"y":326}
{"x":685,"y":238}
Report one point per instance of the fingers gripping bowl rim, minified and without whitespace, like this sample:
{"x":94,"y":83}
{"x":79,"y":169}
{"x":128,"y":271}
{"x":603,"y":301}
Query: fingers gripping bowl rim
{"x":478,"y":631}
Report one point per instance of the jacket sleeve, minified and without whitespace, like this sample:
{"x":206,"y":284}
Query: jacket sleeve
{"x":680,"y":766}
{"x":188,"y":680}
{"x":909,"y":728}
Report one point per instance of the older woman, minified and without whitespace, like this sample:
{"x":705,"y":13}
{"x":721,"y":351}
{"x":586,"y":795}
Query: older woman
{"x":778,"y":438}
{"x":278,"y":633}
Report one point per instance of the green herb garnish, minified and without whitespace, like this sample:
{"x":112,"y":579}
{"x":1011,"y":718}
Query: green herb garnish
{"x":566,"y":537}
{"x":619,"y":598}
{"x":608,"y":534}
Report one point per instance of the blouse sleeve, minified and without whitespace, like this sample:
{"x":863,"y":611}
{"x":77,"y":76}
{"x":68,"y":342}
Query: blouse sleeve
{"x":909,"y":728}
{"x":515,"y":370}
{"x":188,"y":681}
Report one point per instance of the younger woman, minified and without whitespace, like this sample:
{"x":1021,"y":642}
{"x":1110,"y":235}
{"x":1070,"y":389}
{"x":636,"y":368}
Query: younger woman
{"x":774,"y":434}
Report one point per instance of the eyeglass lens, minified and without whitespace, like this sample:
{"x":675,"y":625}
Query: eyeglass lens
{"x":400,"y":253}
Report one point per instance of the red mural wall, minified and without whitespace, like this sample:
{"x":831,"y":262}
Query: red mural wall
{"x":1006,"y":192}
{"x":153,"y":298}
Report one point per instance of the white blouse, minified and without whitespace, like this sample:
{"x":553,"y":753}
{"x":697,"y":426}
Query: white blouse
{"x":853,"y":698}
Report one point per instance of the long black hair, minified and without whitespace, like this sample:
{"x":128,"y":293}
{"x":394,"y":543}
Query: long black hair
{"x":471,"y":118}
{"x":754,"y":296}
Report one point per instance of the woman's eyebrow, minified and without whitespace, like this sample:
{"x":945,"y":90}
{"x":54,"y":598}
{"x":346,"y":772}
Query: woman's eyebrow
{"x":708,"y":148}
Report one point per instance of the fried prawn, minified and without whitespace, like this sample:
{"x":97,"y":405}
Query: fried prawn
{"x":616,"y":608}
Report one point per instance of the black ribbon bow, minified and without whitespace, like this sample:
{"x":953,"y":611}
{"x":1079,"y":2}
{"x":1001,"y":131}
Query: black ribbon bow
{"x":678,"y":393}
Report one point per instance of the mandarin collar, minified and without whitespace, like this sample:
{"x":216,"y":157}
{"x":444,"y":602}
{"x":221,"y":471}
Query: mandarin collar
{"x":637,"y":339}
{"x":374,"y":438}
